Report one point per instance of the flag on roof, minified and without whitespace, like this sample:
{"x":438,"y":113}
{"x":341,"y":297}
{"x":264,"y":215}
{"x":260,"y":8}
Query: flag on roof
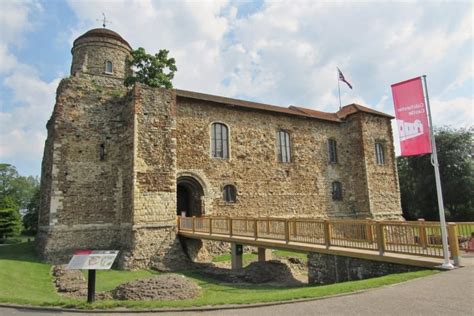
{"x":341,"y":78}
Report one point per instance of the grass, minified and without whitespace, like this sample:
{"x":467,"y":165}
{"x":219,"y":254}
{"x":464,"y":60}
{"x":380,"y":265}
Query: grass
{"x":24,"y":280}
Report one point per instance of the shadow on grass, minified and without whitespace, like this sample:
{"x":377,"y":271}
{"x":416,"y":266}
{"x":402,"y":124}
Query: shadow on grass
{"x":21,"y":252}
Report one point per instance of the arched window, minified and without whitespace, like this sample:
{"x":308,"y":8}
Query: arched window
{"x":332,"y":150}
{"x":336,"y":191}
{"x":109,"y":67}
{"x":379,"y":153}
{"x":219,"y":140}
{"x":283,"y":146}
{"x":229,"y":193}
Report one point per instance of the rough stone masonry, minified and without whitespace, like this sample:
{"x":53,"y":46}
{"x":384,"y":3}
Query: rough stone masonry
{"x":121,"y":163}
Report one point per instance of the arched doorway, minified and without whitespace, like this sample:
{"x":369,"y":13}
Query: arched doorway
{"x":189,"y":195}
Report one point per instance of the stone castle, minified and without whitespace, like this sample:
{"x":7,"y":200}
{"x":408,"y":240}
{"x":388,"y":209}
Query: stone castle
{"x":121,"y":163}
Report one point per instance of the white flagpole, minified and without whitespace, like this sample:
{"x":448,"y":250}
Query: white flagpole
{"x":339,"y":88}
{"x":434,"y":161}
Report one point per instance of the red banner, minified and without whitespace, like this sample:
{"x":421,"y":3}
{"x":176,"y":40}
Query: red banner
{"x":412,"y":117}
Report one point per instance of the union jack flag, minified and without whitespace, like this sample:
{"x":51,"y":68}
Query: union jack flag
{"x":341,"y":78}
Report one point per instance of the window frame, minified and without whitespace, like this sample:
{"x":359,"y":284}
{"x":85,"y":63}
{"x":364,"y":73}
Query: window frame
{"x":222,"y":141}
{"x":332,"y":151}
{"x":284,"y":154}
{"x":109,"y":62}
{"x":336,"y":191}
{"x":229,"y":193}
{"x":379,"y":153}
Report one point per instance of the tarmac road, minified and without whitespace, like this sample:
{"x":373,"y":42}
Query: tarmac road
{"x":447,"y":293}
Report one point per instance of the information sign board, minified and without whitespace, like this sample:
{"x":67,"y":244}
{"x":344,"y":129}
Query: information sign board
{"x":92,"y":260}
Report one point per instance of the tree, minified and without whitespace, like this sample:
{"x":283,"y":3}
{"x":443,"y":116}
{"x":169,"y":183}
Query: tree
{"x":17,"y":193}
{"x":21,"y":189}
{"x":154,"y":71}
{"x":30,"y":220}
{"x":10,"y":218}
{"x":417,"y":182}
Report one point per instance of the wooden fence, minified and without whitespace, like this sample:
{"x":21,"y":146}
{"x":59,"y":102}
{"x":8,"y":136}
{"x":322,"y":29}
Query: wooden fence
{"x":407,"y":237}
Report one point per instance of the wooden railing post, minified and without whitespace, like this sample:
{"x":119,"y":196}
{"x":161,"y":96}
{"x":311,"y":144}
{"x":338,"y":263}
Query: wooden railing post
{"x":255,"y":228}
{"x":454,"y":243}
{"x":287,"y":231}
{"x":327,"y":233}
{"x":423,"y":236}
{"x":380,"y":237}
{"x":230,"y":226}
{"x":295,"y":233}
{"x":178,"y":222}
{"x":210,"y":225}
{"x":268,"y":225}
{"x":194,"y":224}
{"x":370,"y":230}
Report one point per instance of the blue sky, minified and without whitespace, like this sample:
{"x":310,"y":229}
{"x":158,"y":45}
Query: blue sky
{"x":278,"y":52}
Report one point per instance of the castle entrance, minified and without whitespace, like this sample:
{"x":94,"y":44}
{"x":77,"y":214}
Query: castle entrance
{"x":189,"y":196}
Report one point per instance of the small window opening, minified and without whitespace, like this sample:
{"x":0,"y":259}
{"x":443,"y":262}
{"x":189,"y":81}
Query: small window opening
{"x":379,"y":154}
{"x":336,"y":191}
{"x":332,"y":150}
{"x":108,"y":67}
{"x":102,"y":152}
{"x":230,"y":193}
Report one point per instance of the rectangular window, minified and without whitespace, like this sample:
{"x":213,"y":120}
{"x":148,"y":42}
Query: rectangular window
{"x":379,"y":154}
{"x":332,"y":150}
{"x":219,"y":141}
{"x":283,"y":146}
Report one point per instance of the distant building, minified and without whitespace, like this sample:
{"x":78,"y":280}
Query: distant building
{"x":120,"y":164}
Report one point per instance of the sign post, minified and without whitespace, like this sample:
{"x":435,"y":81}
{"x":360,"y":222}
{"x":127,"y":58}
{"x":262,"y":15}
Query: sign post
{"x":434,"y":161}
{"x":415,"y":128}
{"x":92,"y":260}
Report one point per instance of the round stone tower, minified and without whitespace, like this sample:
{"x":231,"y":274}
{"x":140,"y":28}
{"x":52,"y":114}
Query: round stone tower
{"x":100,"y":52}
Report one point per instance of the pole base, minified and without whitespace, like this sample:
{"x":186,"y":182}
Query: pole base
{"x":447,"y":266}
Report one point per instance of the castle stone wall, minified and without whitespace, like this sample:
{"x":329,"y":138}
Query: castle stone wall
{"x":265,"y":186}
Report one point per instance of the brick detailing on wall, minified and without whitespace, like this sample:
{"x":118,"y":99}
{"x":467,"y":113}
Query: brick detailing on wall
{"x":328,"y":269}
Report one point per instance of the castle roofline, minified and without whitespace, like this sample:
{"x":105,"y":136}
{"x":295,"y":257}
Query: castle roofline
{"x":103,"y":32}
{"x":337,"y":117}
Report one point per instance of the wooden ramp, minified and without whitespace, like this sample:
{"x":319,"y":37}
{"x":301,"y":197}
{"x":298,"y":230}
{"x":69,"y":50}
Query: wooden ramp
{"x":411,"y":243}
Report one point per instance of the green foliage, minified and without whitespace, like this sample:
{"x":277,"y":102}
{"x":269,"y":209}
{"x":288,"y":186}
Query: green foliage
{"x":10,"y":222}
{"x":30,"y":220}
{"x":19,"y":188}
{"x":417,"y":181}
{"x":153,"y":70}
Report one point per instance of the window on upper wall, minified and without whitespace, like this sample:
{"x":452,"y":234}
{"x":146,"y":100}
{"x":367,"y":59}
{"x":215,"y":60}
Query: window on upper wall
{"x":336,"y":191}
{"x":219,"y":140}
{"x":379,"y":153}
{"x":283,"y":146}
{"x":230,"y":193}
{"x":109,"y":67}
{"x":332,"y":150}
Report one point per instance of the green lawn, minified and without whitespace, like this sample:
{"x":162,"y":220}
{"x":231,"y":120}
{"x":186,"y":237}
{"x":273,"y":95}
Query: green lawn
{"x":26,"y":281}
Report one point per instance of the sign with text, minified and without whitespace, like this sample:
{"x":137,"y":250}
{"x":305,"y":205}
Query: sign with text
{"x":412,"y":117}
{"x":92,"y":259}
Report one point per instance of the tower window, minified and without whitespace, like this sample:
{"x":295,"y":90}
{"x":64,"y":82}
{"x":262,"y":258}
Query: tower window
{"x":379,"y":154}
{"x":230,"y":193}
{"x":332,"y":150}
{"x":108,"y":67}
{"x":219,"y":140}
{"x":283,"y":146}
{"x":336,"y":191}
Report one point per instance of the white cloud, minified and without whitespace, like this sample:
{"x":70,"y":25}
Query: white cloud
{"x":23,"y":116}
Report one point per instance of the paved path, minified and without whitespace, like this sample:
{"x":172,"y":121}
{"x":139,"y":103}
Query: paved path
{"x":448,"y":293}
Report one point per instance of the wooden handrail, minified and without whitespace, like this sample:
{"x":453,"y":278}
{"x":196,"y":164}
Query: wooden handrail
{"x":410,"y":237}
